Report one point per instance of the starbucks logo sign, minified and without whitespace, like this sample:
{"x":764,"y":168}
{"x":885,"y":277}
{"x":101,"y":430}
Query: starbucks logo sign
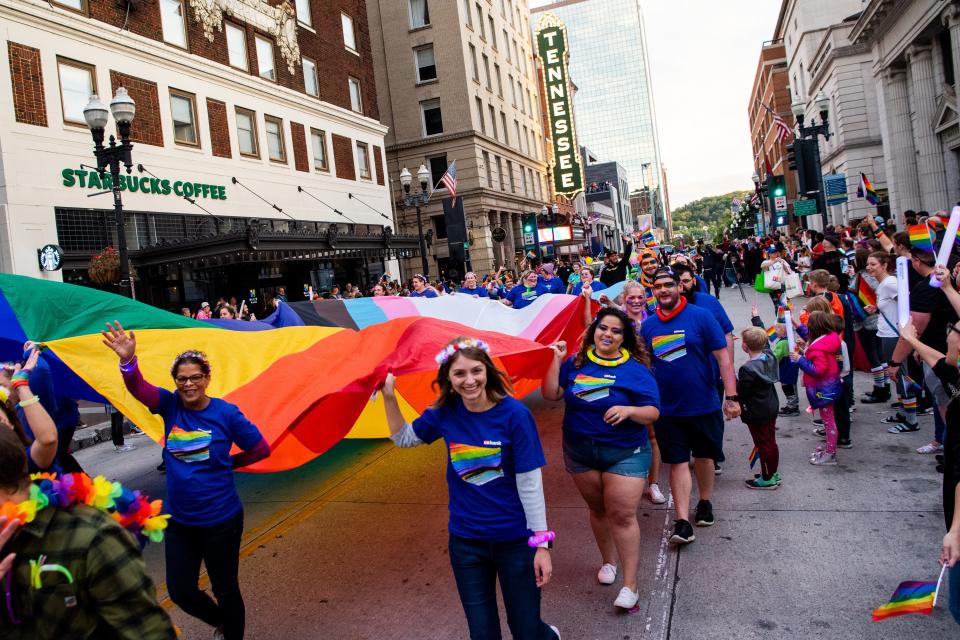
{"x":51,"y":257}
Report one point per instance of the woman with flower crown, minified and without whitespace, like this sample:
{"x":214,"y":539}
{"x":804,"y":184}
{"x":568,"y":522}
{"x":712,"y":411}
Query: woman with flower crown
{"x":498,"y":519}
{"x":610,"y":397}
{"x":206,"y":520}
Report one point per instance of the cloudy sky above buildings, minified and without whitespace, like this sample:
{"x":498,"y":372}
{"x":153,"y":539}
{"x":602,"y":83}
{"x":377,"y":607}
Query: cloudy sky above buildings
{"x":703,"y":56}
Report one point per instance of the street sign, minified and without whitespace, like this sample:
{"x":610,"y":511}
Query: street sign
{"x":498,"y":234}
{"x":804,"y":207}
{"x":835,"y":188}
{"x":527,"y":238}
{"x":780,"y":203}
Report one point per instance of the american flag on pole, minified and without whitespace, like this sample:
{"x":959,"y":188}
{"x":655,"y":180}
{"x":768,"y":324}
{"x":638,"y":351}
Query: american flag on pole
{"x":755,"y":199}
{"x":783,"y":129}
{"x":736,"y":205}
{"x":449,"y":180}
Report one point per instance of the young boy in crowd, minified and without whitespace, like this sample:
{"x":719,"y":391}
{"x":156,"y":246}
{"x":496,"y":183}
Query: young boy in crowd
{"x":788,"y":371}
{"x":759,"y":404}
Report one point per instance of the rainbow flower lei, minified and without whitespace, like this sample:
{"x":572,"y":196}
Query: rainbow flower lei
{"x":132,"y":510}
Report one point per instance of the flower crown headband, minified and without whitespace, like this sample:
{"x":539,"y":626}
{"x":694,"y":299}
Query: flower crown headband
{"x":469,"y":343}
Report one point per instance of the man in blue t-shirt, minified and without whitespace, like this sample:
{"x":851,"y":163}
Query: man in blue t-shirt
{"x":552,"y":283}
{"x":683,"y":340}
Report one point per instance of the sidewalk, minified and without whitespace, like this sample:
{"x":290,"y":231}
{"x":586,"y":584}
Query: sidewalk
{"x":354,"y":547}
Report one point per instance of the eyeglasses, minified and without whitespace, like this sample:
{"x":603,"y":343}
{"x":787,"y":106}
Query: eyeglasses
{"x":196,"y":378}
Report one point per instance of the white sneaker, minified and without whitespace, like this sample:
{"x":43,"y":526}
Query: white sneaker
{"x":656,"y":496}
{"x":217,"y":634}
{"x":123,"y":448}
{"x":627,"y":599}
{"x":555,"y":630}
{"x":607,"y":574}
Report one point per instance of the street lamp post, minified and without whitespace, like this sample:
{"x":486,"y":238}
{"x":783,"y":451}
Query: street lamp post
{"x":418,"y":200}
{"x":110,"y":158}
{"x":812,"y":133}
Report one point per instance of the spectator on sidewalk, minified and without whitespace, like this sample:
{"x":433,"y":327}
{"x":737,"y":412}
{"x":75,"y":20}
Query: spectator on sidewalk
{"x":495,"y":488}
{"x":759,"y":404}
{"x":206,"y":520}
{"x":610,"y":399}
{"x":787,"y":371}
{"x":821,"y":378}
{"x":204,"y":312}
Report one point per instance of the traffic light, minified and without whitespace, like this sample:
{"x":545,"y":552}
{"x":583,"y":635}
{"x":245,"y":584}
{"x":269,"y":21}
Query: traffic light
{"x":529,"y":222}
{"x":797,"y":153}
{"x":792,"y":149}
{"x":778,"y":187}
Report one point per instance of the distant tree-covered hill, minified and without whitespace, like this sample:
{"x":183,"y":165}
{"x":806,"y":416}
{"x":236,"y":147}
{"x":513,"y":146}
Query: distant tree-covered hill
{"x":712,"y":213}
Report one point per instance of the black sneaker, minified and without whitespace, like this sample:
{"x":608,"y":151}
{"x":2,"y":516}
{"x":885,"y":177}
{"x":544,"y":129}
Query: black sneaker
{"x":926,"y":412}
{"x":845,"y":444}
{"x":896,"y":405}
{"x":682,"y":533}
{"x":818,"y":422}
{"x":939,"y":457}
{"x":875,"y":398}
{"x":717,"y":469}
{"x":704,"y":514}
{"x":789,"y":411}
{"x":162,"y":467}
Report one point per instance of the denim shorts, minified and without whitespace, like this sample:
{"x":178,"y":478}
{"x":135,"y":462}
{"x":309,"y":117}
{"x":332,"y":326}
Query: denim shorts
{"x":586,"y":454}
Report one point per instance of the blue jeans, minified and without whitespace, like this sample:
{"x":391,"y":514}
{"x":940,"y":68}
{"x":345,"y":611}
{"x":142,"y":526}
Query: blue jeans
{"x":476,"y":567}
{"x":218,"y":547}
{"x":954,"y":581}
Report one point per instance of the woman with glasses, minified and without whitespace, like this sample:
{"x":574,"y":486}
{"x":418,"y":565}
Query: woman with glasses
{"x":206,"y":515}
{"x":529,"y":289}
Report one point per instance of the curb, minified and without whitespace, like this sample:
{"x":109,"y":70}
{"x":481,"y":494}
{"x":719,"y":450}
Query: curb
{"x":94,"y":434}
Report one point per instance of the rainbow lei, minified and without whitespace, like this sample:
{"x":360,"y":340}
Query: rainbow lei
{"x":132,"y":510}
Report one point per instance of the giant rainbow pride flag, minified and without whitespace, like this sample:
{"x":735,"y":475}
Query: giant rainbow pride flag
{"x":305,"y":376}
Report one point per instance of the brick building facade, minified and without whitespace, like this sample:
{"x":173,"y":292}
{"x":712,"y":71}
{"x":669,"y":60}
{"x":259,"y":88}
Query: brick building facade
{"x":266,"y":103}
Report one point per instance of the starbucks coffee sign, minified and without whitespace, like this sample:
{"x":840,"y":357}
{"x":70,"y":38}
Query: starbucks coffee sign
{"x":51,"y":257}
{"x":88,"y":179}
{"x":565,"y":163}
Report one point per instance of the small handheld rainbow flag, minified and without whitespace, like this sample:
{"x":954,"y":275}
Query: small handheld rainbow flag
{"x":648,"y":240}
{"x":865,"y":292}
{"x":920,"y":237}
{"x":772,"y":335}
{"x":866,"y":190}
{"x":754,"y":457}
{"x":911,"y":597}
{"x":856,"y":307}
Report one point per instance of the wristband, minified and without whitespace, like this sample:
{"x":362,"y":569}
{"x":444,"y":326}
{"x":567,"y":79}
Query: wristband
{"x":20,"y":375}
{"x":128,"y":367}
{"x":894,"y":364}
{"x":16,"y":384}
{"x":26,"y":403}
{"x":878,"y":233}
{"x":545,"y":537}
{"x":732,"y":398}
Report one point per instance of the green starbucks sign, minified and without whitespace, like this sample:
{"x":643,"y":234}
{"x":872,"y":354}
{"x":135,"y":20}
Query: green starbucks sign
{"x":565,"y":163}
{"x":86,"y":179}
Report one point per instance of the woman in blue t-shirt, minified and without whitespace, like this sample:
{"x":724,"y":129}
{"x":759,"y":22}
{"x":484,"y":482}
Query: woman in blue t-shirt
{"x":206,"y":515}
{"x":610,"y":397}
{"x":495,"y":486}
{"x":15,"y":393}
{"x":420,"y":288}
{"x":586,"y":280}
{"x":470,"y":286}
{"x":529,"y":289}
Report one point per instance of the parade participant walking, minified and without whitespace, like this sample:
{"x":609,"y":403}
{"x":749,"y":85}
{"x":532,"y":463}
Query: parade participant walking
{"x":821,"y":378}
{"x":15,"y":393}
{"x":495,"y":486}
{"x":610,"y":397}
{"x":420,"y":288}
{"x":712,"y":269}
{"x":683,"y":338}
{"x":526,"y":292}
{"x":90,"y":581}
{"x":471,"y":288}
{"x":550,"y":281}
{"x":587,"y":281}
{"x":206,"y":514}
{"x":759,"y":404}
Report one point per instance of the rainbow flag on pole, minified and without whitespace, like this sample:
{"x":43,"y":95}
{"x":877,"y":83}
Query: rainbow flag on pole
{"x":865,"y":292}
{"x":772,"y":335}
{"x":920,"y":237}
{"x":866,"y":190}
{"x":910,"y":597}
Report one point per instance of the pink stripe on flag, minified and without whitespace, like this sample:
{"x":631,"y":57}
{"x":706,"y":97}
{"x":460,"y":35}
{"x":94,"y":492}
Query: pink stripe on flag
{"x":548,"y":314}
{"x":396,"y":307}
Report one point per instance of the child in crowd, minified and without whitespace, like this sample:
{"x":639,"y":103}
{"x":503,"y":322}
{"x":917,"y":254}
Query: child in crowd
{"x":820,"y":287}
{"x":788,"y":371}
{"x":759,"y":404}
{"x":821,"y":378}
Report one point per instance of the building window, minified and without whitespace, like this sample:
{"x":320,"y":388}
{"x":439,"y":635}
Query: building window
{"x":77,"y":84}
{"x":486,"y":71}
{"x":503,"y":127}
{"x":237,"y":46}
{"x":466,"y":10}
{"x":513,"y":187}
{"x":174,"y":26}
{"x":516,"y":56}
{"x":265,"y":66}
{"x":432,"y":120}
{"x":516,"y":131}
{"x":419,"y":14}
{"x":349,"y":36}
{"x":303,"y":13}
{"x":356,"y":103}
{"x":310,"y":82}
{"x":426,"y":63}
{"x":493,"y":31}
{"x":438,"y":167}
{"x":276,"y":150}
{"x":523,"y":180}
{"x":440,"y":226}
{"x":76,"y":5}
{"x":496,"y":69}
{"x":247,"y":133}
{"x":483,"y":122}
{"x":363,"y":160}
{"x":493,"y":121}
{"x":483,"y":30}
{"x":473,"y":62}
{"x":513,"y":90}
{"x":319,"y":141}
{"x":486,"y":169}
{"x":183,"y":107}
{"x":500,"y":173}
{"x":506,"y":44}
{"x":521,"y":92}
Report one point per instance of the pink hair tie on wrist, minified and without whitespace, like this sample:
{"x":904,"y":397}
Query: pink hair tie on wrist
{"x":537,"y":540}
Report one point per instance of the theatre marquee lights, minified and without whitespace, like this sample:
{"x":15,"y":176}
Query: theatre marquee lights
{"x":565,"y":163}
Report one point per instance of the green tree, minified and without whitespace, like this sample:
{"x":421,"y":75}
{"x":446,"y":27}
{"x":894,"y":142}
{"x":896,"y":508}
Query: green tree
{"x":712,"y":212}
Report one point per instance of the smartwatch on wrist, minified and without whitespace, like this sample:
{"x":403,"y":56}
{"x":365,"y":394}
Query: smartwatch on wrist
{"x":732,"y":398}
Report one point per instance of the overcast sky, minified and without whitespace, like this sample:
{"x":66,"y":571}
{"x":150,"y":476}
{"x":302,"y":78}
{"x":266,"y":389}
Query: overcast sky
{"x":703,"y":56}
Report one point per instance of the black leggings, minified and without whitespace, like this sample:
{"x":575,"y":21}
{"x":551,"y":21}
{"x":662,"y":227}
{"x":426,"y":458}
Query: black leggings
{"x":218,"y":547}
{"x":713,"y":277}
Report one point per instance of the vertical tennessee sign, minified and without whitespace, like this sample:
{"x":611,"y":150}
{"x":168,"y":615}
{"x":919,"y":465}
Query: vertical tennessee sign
{"x":565,"y":161}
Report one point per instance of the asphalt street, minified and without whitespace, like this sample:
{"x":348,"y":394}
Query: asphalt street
{"x":353,"y":545}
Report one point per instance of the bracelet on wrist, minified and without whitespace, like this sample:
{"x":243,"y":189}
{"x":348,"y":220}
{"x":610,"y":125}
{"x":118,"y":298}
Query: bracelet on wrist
{"x":26,"y":403}
{"x":544,"y":540}
{"x":20,"y":375}
{"x":128,"y":366}
{"x":16,"y":384}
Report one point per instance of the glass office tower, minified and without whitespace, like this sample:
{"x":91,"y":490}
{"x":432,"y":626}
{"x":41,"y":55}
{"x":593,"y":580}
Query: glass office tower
{"x":614,"y":101}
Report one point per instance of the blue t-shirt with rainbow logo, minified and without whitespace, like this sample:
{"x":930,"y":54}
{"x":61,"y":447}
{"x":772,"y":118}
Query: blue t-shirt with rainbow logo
{"x":485,"y":452}
{"x":682,"y":349}
{"x":521,"y":296}
{"x":591,"y":390}
{"x":200,"y":487}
